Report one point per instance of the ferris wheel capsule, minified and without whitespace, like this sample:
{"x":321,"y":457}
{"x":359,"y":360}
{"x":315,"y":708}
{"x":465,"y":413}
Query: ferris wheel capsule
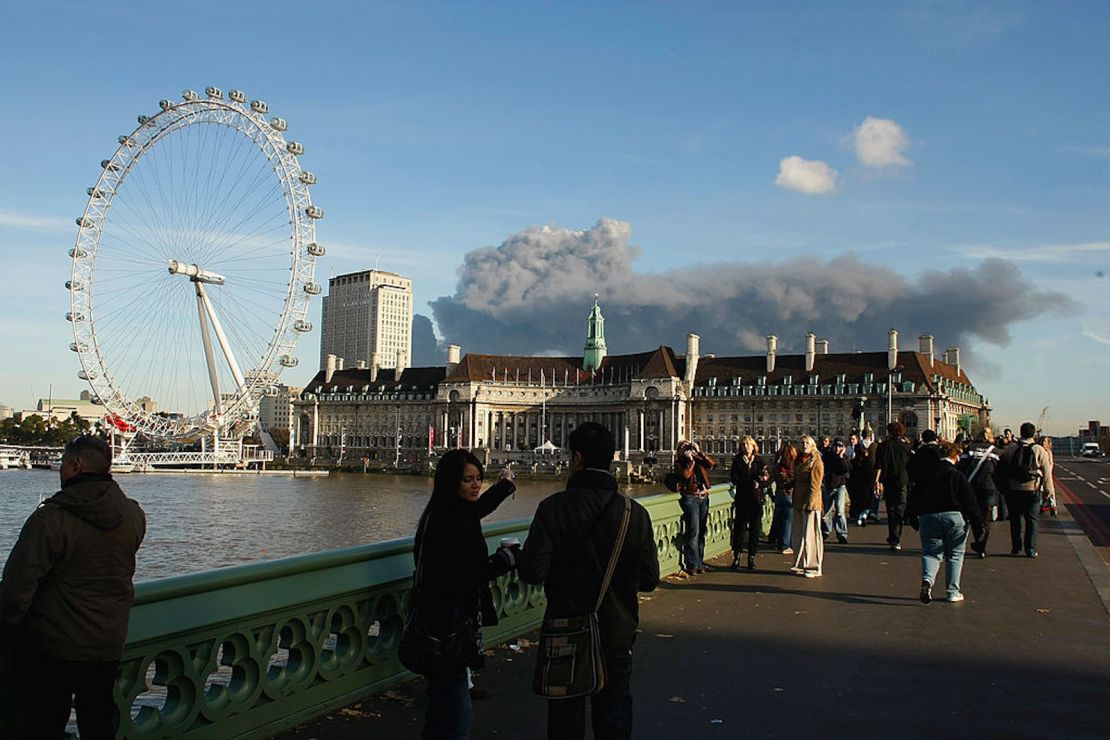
{"x":85,"y":222}
{"x":279,"y":124}
{"x":214,"y":92}
{"x":316,"y":250}
{"x":237,"y":96}
{"x":259,"y":106}
{"x":313,"y":288}
{"x":107,"y":164}
{"x":302,"y":326}
{"x":190,"y":96}
{"x":74,"y":316}
{"x":74,"y":285}
{"x":78,"y":254}
{"x":85,"y":375}
{"x":143,"y":119}
{"x":314,"y":212}
{"x":308,"y":178}
{"x":165,"y":104}
{"x":288,"y":361}
{"x":295,"y":148}
{"x":75,"y":347}
{"x":94,"y":193}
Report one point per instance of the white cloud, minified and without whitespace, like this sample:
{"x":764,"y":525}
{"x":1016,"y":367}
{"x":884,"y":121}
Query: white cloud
{"x":805,"y":176}
{"x":1048,"y":253}
{"x":1092,"y":333}
{"x":880,"y":142}
{"x":28,"y":221}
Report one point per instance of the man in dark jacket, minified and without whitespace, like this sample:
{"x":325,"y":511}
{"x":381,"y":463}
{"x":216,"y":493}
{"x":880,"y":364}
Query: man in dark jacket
{"x":945,"y":504}
{"x":567,"y":550}
{"x":836,"y":491}
{"x":891,"y":479}
{"x":67,"y":593}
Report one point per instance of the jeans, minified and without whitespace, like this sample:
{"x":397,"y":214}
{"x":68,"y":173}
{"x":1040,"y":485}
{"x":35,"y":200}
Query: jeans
{"x":784,"y":515}
{"x":449,"y":713}
{"x":53,"y":684}
{"x":610,"y":708}
{"x":837,"y":497}
{"x":943,"y":533}
{"x":895,"y":509}
{"x":695,"y":518}
{"x":1024,"y":506}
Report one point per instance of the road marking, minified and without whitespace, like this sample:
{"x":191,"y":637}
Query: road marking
{"x":1104,"y":493}
{"x":1092,"y":485}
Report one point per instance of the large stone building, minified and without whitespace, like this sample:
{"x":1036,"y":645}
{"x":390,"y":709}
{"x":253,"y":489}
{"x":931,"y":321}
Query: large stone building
{"x":367,"y":318}
{"x":651,"y":400}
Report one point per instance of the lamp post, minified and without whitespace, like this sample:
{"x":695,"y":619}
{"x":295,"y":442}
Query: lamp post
{"x":397,"y":455}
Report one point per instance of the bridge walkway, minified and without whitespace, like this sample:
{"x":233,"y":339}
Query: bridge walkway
{"x":771,"y":655}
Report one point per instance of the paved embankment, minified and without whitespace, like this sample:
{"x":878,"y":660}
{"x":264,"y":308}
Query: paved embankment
{"x":768,"y":654}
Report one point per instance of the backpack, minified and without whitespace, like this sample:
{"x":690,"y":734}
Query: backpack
{"x":1023,"y":467}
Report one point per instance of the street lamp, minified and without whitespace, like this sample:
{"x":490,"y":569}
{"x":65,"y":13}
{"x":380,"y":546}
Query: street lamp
{"x":397,"y":456}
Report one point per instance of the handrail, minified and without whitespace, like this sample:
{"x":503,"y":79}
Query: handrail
{"x":249,"y":650}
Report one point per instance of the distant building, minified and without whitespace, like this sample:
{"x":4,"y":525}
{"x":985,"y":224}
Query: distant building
{"x":651,"y":400}
{"x":367,"y":319}
{"x":61,"y":409}
{"x":1094,"y":431}
{"x":276,"y":411}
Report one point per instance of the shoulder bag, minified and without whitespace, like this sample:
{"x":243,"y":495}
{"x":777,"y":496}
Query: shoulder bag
{"x":570,"y":662}
{"x":421,"y":650}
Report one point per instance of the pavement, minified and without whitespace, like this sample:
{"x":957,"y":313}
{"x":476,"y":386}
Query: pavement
{"x":768,"y":654}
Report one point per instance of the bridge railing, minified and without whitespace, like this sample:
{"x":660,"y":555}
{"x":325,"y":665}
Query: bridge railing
{"x":251,"y":650}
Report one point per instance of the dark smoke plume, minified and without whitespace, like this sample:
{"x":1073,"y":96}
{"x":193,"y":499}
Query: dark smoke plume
{"x":532,"y":294}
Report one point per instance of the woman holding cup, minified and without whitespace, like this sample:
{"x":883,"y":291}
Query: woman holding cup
{"x":454,"y":569}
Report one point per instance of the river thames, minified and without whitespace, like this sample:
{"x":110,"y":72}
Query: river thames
{"x":197,"y":522}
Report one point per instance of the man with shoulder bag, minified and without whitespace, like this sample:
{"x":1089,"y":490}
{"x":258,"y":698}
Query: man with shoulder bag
{"x":593,"y":549}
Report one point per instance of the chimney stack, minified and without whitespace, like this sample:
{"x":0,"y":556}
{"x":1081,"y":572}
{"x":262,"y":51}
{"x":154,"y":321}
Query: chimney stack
{"x":772,"y":348}
{"x":329,"y":368}
{"x":926,"y":347}
{"x":952,"y":357}
{"x":892,"y":350}
{"x":693,"y":347}
{"x":338,"y":363}
{"x":453,"y":352}
{"x":360,"y":365}
{"x":375,"y":365}
{"x":811,"y":351}
{"x":822,"y":346}
{"x":399,"y":364}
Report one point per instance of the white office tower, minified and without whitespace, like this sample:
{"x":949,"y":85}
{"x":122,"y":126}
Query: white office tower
{"x":368,"y":318}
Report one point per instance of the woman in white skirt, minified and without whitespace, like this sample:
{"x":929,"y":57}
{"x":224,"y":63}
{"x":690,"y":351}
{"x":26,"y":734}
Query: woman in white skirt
{"x":805,"y":529}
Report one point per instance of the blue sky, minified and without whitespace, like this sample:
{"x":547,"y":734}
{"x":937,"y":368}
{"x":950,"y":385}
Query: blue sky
{"x":439,"y":129}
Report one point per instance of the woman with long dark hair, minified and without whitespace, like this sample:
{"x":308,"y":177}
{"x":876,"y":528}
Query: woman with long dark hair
{"x":454,"y":570}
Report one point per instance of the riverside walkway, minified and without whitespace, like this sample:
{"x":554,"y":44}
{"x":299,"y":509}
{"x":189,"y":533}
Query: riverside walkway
{"x":767,"y":654}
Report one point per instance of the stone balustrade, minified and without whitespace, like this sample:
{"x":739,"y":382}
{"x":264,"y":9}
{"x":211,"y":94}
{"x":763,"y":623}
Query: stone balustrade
{"x":251,"y":650}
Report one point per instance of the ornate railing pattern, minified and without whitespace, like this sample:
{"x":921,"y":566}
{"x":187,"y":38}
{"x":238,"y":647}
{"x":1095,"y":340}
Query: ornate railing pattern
{"x":250,"y":650}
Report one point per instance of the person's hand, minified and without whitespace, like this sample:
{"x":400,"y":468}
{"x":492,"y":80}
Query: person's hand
{"x":507,"y":473}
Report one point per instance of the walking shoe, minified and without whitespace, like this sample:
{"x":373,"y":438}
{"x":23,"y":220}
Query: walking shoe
{"x":787,"y":551}
{"x":812,"y":574}
{"x":895,"y":546}
{"x":926,"y":592}
{"x":1016,"y":551}
{"x":1031,"y":554}
{"x":982,"y":555}
{"x":751,"y":563}
{"x":955,"y":598}
{"x":842,"y":540}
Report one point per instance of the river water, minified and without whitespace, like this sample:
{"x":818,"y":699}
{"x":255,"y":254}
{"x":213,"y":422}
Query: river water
{"x":196,"y":522}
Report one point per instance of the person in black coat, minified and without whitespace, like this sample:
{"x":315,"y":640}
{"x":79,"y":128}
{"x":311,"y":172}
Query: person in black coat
{"x":749,"y":478}
{"x":568,"y":549}
{"x":454,"y":569}
{"x":945,"y":504}
{"x":979,"y":463}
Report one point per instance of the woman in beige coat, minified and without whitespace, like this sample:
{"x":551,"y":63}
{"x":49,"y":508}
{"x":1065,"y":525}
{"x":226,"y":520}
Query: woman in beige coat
{"x":805,"y":534}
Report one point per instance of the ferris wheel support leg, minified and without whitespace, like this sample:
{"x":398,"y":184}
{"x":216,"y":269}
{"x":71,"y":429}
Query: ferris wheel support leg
{"x":209,"y":355}
{"x":222,"y":339}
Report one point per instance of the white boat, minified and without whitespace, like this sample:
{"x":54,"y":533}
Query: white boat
{"x":122,"y":466}
{"x":13,"y":457}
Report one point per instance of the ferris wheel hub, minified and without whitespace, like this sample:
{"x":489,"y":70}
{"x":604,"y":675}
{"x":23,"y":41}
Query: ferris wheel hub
{"x":196,"y":274}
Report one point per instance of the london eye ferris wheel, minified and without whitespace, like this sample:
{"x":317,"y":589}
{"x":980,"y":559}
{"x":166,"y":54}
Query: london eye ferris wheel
{"x":194,"y":267}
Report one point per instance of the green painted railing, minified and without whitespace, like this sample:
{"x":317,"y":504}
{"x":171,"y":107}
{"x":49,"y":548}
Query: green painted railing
{"x":251,"y":650}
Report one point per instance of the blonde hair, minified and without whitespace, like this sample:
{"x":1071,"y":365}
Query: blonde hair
{"x":745,"y":442}
{"x":809,"y":447}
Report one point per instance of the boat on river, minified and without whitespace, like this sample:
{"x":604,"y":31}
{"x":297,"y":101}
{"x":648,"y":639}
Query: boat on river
{"x":14,"y":457}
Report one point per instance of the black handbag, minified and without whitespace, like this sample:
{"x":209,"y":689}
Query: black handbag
{"x":423,"y":651}
{"x":569,"y":661}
